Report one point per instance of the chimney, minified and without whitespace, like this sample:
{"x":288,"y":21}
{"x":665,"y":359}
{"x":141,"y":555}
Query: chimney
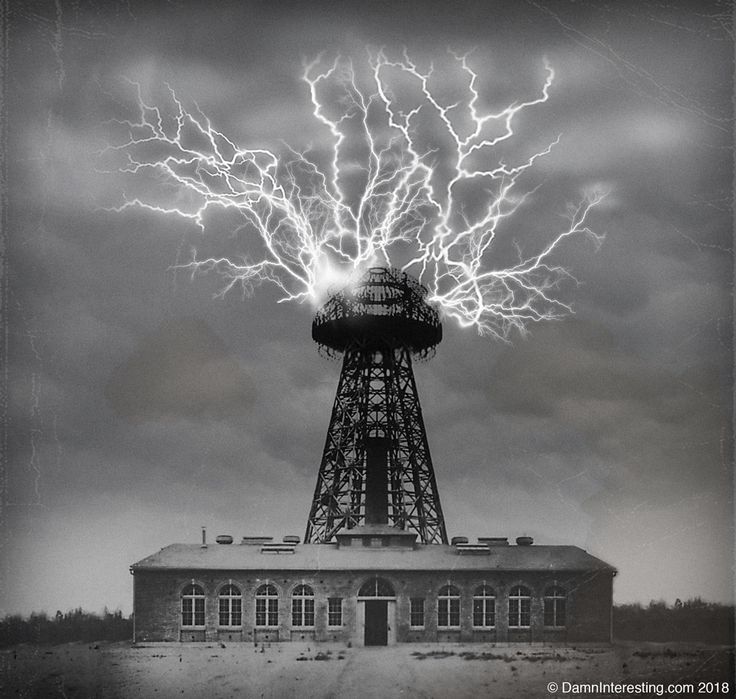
{"x":376,"y":480}
{"x":204,"y":538}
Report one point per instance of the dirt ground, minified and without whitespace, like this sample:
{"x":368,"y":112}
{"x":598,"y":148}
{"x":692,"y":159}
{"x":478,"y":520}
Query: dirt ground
{"x":281,"y":671}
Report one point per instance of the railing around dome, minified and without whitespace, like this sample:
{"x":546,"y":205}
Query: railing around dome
{"x":352,"y":314}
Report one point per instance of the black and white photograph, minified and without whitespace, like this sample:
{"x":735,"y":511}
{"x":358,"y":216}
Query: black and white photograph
{"x":367,"y":350}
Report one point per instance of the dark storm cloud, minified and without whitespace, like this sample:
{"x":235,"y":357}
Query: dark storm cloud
{"x":181,"y":370}
{"x":575,"y":361}
{"x":569,"y":361}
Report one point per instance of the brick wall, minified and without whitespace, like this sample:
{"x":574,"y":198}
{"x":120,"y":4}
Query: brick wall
{"x":593,"y":594}
{"x":158,"y":607}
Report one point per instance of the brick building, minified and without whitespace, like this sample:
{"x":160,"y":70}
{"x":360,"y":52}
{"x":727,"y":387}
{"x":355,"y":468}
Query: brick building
{"x":374,"y":586}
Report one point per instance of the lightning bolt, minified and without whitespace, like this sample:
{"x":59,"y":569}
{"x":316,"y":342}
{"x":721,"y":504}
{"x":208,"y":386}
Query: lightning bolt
{"x":392,"y":188}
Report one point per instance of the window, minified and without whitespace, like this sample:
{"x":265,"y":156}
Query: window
{"x":416,"y":612}
{"x":267,"y":606}
{"x":334,"y":611}
{"x":192,"y":606}
{"x":520,"y":604}
{"x":231,"y":606}
{"x":448,"y":607}
{"x":484,"y":607}
{"x":378,"y":587}
{"x":554,"y":606}
{"x":302,"y":606}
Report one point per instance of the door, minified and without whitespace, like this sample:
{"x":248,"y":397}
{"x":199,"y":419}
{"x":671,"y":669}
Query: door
{"x":376,"y":623}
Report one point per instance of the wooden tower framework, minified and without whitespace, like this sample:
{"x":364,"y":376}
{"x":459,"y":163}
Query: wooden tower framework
{"x":376,"y":467}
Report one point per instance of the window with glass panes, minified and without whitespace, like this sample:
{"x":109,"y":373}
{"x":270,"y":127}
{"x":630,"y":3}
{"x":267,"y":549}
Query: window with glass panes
{"x":230,"y":606}
{"x":416,"y":611}
{"x":554,"y":606}
{"x":302,"y":606}
{"x":484,"y":607}
{"x":334,"y":611}
{"x":448,"y":607}
{"x":520,"y":605}
{"x":192,"y":606}
{"x":267,"y":606}
{"x":376,"y":587}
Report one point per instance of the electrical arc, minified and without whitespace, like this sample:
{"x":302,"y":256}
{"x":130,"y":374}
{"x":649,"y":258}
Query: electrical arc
{"x":409,"y":176}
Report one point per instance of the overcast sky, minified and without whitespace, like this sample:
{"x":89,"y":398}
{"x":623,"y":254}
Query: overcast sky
{"x":142,"y":408}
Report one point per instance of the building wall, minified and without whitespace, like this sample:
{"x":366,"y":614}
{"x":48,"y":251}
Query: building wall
{"x":157,"y":605}
{"x":593,"y":598}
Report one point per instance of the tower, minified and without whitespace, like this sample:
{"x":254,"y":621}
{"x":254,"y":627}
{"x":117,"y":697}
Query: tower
{"x":376,"y":468}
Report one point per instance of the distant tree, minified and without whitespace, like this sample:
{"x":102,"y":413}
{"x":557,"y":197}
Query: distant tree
{"x":75,"y":625}
{"x":692,"y":620}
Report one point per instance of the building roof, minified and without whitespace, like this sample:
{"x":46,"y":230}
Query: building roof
{"x":425,"y":557}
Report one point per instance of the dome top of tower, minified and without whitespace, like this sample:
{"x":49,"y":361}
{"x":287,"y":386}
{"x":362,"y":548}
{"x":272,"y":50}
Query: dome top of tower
{"x":386,"y":308}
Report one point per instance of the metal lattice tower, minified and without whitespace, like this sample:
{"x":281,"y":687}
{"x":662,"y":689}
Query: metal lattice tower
{"x":376,"y":468}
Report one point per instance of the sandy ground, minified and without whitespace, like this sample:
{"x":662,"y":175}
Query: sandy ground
{"x":281,"y":671}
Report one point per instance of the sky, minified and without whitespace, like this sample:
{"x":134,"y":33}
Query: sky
{"x":141,"y":406}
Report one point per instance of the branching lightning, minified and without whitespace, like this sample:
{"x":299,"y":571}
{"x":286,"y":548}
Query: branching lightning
{"x":413,"y":176}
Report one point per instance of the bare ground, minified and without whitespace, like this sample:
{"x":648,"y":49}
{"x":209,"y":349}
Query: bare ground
{"x":281,"y":671}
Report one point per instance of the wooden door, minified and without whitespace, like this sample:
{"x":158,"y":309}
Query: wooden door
{"x":376,"y":623}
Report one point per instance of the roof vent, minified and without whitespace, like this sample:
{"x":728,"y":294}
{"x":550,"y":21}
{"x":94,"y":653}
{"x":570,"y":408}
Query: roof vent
{"x":524,"y":541}
{"x":224,"y":539}
{"x":291,"y":539}
{"x":472,"y":549}
{"x":278,"y":548}
{"x":493,"y":540}
{"x":255,"y":540}
{"x":459,"y":540}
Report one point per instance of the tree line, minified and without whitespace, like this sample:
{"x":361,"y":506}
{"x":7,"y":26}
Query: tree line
{"x":693,"y":620}
{"x":75,"y":625}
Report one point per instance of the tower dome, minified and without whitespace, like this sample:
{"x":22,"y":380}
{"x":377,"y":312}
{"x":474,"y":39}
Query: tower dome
{"x":386,"y":308}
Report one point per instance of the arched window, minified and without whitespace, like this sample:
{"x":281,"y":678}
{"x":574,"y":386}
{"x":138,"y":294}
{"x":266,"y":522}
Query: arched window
{"x":555,"y":599}
{"x":267,"y":606}
{"x":302,"y":606}
{"x":520,"y":606}
{"x":484,"y":607}
{"x":377,"y":587}
{"x":230,"y":606}
{"x":192,"y":606}
{"x":448,"y":607}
